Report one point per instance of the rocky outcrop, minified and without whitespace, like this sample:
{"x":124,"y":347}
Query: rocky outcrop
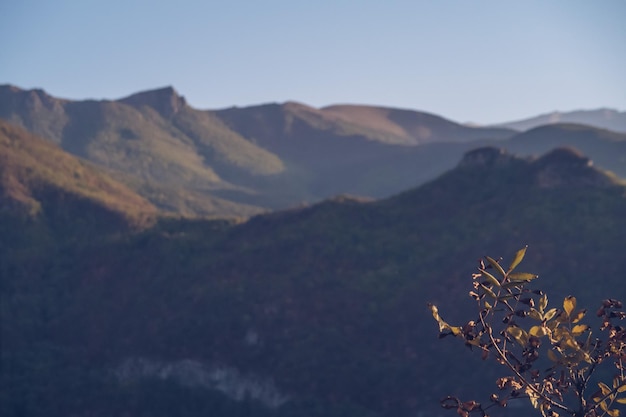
{"x":34,"y":110}
{"x":567,"y":167}
{"x":192,"y":373}
{"x":165,"y":100}
{"x":488,"y":156}
{"x":561,"y":167}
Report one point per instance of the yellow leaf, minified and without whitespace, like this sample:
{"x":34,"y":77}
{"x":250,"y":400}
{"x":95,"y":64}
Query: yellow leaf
{"x":522,"y":276}
{"x":435,"y":311}
{"x":603,"y":406}
{"x":552,"y":325}
{"x":552,"y":356}
{"x":512,"y":284}
{"x":514,"y":331}
{"x":538,"y":331}
{"x":492,"y":280}
{"x":570,"y":342}
{"x":569,"y":304}
{"x":550,"y":314}
{"x":495,"y":265}
{"x":562,"y":317}
{"x":579,"y":329}
{"x":455,"y":330}
{"x":621,"y":400}
{"x":559,"y":333}
{"x":543,"y":302}
{"x":442,"y":324}
{"x":535,"y":314}
{"x":613,"y":413}
{"x":518,"y":258}
{"x":604,"y":388}
{"x":622,"y":388}
{"x":489,"y":292}
{"x":579,"y":316}
{"x":518,"y":334}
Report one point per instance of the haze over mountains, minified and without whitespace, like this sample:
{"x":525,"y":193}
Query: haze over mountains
{"x":609,"y":119}
{"x":243,"y":161}
{"x":311,"y":311}
{"x":120,"y":297}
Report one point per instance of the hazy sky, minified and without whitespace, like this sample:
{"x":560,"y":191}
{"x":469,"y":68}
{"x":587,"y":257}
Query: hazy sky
{"x":467,"y":60}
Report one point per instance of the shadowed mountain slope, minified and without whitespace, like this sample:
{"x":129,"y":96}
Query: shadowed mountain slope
{"x":279,"y":127}
{"x":410,"y":127}
{"x":324,"y":307}
{"x":607,"y":149}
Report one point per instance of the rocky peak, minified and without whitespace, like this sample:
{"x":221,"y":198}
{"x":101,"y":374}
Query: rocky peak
{"x":568,"y":167}
{"x":164,"y":100}
{"x":487,"y":156}
{"x":561,"y":167}
{"x":35,"y":110}
{"x":565,"y":157}
{"x":30,"y":100}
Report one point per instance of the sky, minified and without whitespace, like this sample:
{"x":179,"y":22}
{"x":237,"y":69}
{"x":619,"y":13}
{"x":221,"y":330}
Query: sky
{"x":481,"y":61}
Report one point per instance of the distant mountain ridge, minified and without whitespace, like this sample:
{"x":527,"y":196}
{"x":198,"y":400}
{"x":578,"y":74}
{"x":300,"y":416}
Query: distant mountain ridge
{"x":323,"y":306}
{"x":244,"y":161}
{"x":238,"y":161}
{"x":378,"y":124}
{"x":561,"y":167}
{"x":604,"y":118}
{"x":164,"y":100}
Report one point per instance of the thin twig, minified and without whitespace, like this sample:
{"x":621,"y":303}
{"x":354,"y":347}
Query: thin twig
{"x":524,"y":381}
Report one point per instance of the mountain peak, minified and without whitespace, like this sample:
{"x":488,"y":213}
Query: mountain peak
{"x":11,"y":88}
{"x":487,"y":156}
{"x":164,"y":100}
{"x":567,"y":167}
{"x":561,"y":167}
{"x":604,"y":118}
{"x":32,"y":99}
{"x":565,"y":156}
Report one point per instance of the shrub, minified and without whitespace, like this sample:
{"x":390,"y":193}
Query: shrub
{"x":552,"y":358}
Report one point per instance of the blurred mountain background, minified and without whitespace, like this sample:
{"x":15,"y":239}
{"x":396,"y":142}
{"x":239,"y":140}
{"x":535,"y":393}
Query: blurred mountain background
{"x":276,"y":260}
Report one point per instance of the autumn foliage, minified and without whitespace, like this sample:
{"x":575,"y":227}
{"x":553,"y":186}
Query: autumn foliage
{"x":552,"y":357}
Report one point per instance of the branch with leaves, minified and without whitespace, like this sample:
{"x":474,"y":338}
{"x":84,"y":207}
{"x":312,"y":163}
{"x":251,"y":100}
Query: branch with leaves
{"x":549,"y":353}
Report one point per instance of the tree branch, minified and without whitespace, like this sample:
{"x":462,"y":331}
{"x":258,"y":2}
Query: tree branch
{"x":520,"y":376}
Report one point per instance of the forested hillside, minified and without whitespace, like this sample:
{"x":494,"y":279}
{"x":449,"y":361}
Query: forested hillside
{"x":319,"y":310}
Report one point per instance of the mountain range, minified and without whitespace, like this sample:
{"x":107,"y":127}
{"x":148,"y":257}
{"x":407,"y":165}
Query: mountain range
{"x":122,"y":293}
{"x":244,"y":161}
{"x":609,"y":119}
{"x":317,"y":310}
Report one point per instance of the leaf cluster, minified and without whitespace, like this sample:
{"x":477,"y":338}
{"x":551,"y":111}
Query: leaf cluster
{"x":550,"y":353}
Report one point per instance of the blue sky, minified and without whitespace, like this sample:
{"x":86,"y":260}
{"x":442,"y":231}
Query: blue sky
{"x":482,"y":61}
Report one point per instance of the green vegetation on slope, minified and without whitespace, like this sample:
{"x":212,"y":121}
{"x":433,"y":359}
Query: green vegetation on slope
{"x":149,"y":149}
{"x":33,"y":169}
{"x":243,"y":161}
{"x":607,"y":149}
{"x":328,"y":301}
